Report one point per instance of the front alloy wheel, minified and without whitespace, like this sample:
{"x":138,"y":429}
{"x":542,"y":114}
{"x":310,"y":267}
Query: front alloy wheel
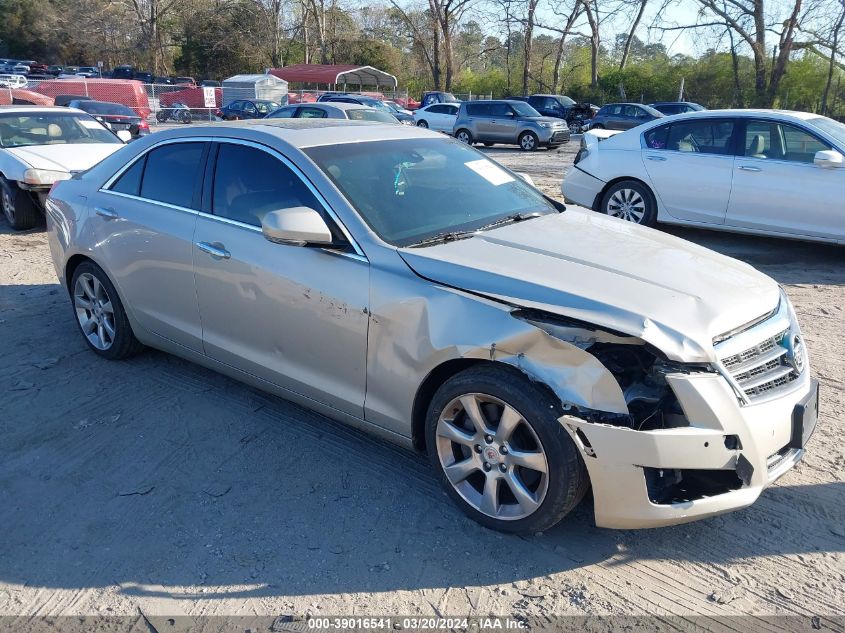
{"x":503,"y":456}
{"x":528,"y":141}
{"x":492,"y":457}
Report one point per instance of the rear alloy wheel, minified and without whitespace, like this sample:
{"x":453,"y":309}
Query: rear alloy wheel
{"x":464,"y":137}
{"x":100,"y":314}
{"x":18,"y":207}
{"x":528,"y":141}
{"x":630,"y":200}
{"x":501,"y":453}
{"x":422,"y":123}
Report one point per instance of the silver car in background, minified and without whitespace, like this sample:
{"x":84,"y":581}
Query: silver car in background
{"x":351,"y":111}
{"x":510,"y":122}
{"x":401,"y":281}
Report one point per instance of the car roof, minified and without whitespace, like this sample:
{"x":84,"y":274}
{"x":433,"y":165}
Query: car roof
{"x":746,"y":113}
{"x":25,"y":109}
{"x":304,"y":133}
{"x":340,"y":105}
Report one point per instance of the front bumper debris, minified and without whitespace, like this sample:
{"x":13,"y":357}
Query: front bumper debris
{"x":721,"y":462}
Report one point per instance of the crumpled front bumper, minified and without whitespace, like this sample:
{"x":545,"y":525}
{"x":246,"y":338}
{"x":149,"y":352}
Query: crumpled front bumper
{"x":617,"y":458}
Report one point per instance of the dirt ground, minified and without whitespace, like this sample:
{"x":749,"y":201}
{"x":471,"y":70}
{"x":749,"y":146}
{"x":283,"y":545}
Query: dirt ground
{"x":157,"y":485}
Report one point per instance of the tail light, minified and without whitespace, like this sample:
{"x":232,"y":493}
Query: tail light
{"x":143,"y":125}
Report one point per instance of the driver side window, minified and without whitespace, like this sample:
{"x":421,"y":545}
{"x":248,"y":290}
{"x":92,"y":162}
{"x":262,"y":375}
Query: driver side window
{"x":249,"y":183}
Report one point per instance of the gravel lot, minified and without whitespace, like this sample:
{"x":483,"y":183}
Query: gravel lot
{"x":157,"y":485}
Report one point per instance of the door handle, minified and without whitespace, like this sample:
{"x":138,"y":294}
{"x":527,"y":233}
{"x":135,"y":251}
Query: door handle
{"x":216,"y":250}
{"x":749,"y":168}
{"x":660,"y":158}
{"x":107,"y":213}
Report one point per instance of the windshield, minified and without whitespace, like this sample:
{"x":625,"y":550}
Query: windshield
{"x":266,"y":106}
{"x":368,"y":114}
{"x":523,"y":109}
{"x":377,"y":104}
{"x":833,"y":128}
{"x":21,"y":130}
{"x":101,"y":107}
{"x":566,"y":101}
{"x":393,"y":106}
{"x":411,"y":190}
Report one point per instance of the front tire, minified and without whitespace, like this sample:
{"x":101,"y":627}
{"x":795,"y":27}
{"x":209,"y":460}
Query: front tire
{"x":502,"y":456}
{"x":528,"y":141}
{"x":422,"y":123}
{"x":18,"y":207}
{"x":464,"y":136}
{"x":100,"y":314}
{"x":630,"y":200}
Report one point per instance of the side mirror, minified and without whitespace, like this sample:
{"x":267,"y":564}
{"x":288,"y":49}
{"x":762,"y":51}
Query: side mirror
{"x":296,"y":226}
{"x":124,"y":135}
{"x":829,"y":158}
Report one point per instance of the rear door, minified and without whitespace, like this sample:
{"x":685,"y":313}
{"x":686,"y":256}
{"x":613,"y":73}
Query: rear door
{"x":778,"y":187}
{"x":143,"y":221}
{"x":691,"y":165}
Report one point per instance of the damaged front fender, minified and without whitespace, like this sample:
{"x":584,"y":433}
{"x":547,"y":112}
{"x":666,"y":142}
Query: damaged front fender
{"x":415,"y":328}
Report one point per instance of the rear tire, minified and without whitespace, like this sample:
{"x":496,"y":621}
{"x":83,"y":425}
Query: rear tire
{"x":100,"y":314}
{"x":488,"y":144}
{"x":161,"y":116}
{"x":630,"y":200}
{"x":597,"y":126}
{"x":18,"y":207}
{"x":515,"y":469}
{"x":464,"y":136}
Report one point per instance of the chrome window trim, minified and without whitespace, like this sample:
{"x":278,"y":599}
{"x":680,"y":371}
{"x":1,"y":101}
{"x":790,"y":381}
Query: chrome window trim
{"x":105,"y":188}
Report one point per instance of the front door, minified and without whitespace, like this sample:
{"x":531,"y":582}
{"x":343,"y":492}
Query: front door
{"x":691,"y":165}
{"x":777,"y":186}
{"x":295,"y":316}
{"x":144,"y":224}
{"x":503,"y":124}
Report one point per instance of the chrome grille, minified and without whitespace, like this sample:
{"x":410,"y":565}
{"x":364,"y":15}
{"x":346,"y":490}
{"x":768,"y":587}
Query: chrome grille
{"x":759,"y":358}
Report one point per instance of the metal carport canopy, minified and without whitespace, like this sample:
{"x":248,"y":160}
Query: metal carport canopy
{"x":334,"y":74}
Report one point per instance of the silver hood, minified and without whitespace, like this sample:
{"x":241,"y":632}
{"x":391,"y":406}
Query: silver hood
{"x":671,"y":293}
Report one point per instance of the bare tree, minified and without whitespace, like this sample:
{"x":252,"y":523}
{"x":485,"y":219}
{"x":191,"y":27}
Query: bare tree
{"x":448,"y":14}
{"x":631,"y":32}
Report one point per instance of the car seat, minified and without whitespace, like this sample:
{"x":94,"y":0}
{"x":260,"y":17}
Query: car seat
{"x":757,"y":147}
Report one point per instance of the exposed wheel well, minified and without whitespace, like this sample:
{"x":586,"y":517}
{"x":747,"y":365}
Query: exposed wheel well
{"x":426,"y":391}
{"x":440,"y":375}
{"x":600,"y":195}
{"x":72,"y":265}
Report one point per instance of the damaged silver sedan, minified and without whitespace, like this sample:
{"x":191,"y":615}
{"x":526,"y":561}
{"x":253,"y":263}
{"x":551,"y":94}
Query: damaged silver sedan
{"x":404,"y":283}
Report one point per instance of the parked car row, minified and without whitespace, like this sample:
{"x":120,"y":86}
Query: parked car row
{"x":401,"y":281}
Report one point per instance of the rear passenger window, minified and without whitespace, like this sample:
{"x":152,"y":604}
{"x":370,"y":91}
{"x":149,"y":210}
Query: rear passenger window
{"x":701,"y":137}
{"x":656,"y":138}
{"x":249,"y":183}
{"x":478,"y":109}
{"x":130,"y":181}
{"x":171,"y":173}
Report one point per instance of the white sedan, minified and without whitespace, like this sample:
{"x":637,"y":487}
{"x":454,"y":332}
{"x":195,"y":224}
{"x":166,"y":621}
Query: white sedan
{"x":749,"y":171}
{"x":41,"y":146}
{"x":437,"y":116}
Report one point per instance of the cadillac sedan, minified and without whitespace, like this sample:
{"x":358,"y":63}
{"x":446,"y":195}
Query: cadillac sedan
{"x":402,"y":282}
